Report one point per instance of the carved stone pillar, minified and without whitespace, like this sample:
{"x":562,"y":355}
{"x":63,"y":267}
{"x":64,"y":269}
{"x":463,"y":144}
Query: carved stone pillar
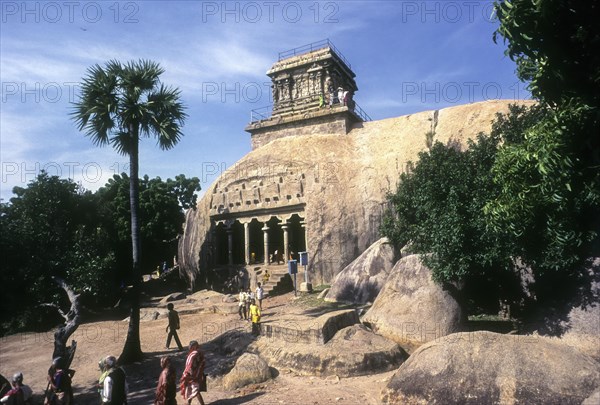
{"x":214,"y":247}
{"x":230,"y":245}
{"x":247,"y":243}
{"x":303,"y":225}
{"x":265,"y":230}
{"x":286,"y":242}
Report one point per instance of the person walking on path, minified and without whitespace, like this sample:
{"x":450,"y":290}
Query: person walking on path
{"x":114,"y":390}
{"x":60,"y":391}
{"x":172,"y":327}
{"x":242,"y":305}
{"x":20,"y":393}
{"x":255,"y":317}
{"x":193,"y":374}
{"x":259,"y":295}
{"x":248,"y":301}
{"x":103,"y":374}
{"x":166,"y":390}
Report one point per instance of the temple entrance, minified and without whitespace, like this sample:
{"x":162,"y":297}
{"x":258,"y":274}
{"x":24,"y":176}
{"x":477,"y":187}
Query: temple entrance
{"x":256,"y":242}
{"x":243,"y":241}
{"x":297,"y":236}
{"x":238,"y":243}
{"x":276,"y":246}
{"x":220,"y":245}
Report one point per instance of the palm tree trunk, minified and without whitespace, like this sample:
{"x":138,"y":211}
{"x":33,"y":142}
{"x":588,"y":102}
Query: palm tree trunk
{"x":132,"y":350}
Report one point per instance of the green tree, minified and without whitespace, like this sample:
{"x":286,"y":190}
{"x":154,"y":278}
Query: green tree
{"x":118,"y":105}
{"x":556,"y":45}
{"x":47,"y":230}
{"x":550,"y":181}
{"x":161,"y":215}
{"x":438,"y":210}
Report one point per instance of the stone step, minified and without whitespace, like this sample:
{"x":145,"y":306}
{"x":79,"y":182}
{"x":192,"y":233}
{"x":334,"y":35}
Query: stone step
{"x":277,"y":279}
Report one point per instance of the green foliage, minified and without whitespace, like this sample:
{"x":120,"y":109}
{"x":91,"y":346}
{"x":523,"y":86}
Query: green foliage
{"x":550,"y":180}
{"x":54,"y":228}
{"x":556,"y":45}
{"x":438,"y":209}
{"x":120,"y":102}
{"x":161,"y":216}
{"x":45,"y":232}
{"x":549,"y":195}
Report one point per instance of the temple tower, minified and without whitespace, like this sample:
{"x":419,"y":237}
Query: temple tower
{"x":312,"y":91}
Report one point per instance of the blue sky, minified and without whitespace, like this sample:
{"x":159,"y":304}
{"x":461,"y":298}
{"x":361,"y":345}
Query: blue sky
{"x":408,"y":56}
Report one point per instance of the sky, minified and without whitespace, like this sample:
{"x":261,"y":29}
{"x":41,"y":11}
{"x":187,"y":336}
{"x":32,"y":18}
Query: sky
{"x":408,"y":56}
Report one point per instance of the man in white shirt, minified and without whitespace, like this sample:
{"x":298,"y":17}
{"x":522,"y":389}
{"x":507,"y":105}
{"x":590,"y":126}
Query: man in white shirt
{"x":115,"y":388}
{"x":259,"y":295}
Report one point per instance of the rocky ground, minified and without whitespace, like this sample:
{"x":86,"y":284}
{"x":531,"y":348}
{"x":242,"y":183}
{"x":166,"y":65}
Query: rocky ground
{"x":31,"y":353}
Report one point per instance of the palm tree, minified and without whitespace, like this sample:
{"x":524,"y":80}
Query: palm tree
{"x":118,"y":105}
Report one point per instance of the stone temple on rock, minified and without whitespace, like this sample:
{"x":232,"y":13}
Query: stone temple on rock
{"x":317,"y":176}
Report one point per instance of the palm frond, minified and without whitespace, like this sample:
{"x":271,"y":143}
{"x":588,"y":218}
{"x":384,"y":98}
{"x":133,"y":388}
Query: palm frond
{"x":120,"y":101}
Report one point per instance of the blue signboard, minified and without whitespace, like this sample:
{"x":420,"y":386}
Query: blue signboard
{"x":303,"y":258}
{"x":293,"y":266}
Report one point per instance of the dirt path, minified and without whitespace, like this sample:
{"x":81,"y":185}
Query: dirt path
{"x":30,"y":353}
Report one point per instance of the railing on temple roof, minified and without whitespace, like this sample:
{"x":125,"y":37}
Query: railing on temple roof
{"x":313,"y":46}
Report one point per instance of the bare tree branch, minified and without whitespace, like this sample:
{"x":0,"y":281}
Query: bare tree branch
{"x":72,"y":321}
{"x":50,"y":305}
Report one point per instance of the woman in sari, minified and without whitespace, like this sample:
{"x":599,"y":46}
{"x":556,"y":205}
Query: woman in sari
{"x":166,"y":390}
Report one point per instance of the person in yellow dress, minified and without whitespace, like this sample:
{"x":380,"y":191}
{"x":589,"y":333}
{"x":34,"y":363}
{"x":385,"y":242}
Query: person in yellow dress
{"x":255,"y":317}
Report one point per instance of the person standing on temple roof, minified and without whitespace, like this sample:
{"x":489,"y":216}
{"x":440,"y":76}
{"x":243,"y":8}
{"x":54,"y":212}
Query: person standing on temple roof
{"x":331,"y":91}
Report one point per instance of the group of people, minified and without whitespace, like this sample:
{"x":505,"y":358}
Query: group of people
{"x":58,"y":391}
{"x":192,"y":382}
{"x":336,"y":96}
{"x":250,"y":307}
{"x":113,"y":387}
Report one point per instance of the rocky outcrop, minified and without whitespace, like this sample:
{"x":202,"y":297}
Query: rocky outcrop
{"x":593,"y":399}
{"x":352,"y":351}
{"x":248,"y":369}
{"x":172,"y":297}
{"x":577,"y":322}
{"x":361,"y":280}
{"x":307,"y":330}
{"x":338,"y":183}
{"x":491,"y":368}
{"x":412,"y":308}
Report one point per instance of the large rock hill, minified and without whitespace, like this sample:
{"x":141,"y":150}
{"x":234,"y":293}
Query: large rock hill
{"x":339,"y":181}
